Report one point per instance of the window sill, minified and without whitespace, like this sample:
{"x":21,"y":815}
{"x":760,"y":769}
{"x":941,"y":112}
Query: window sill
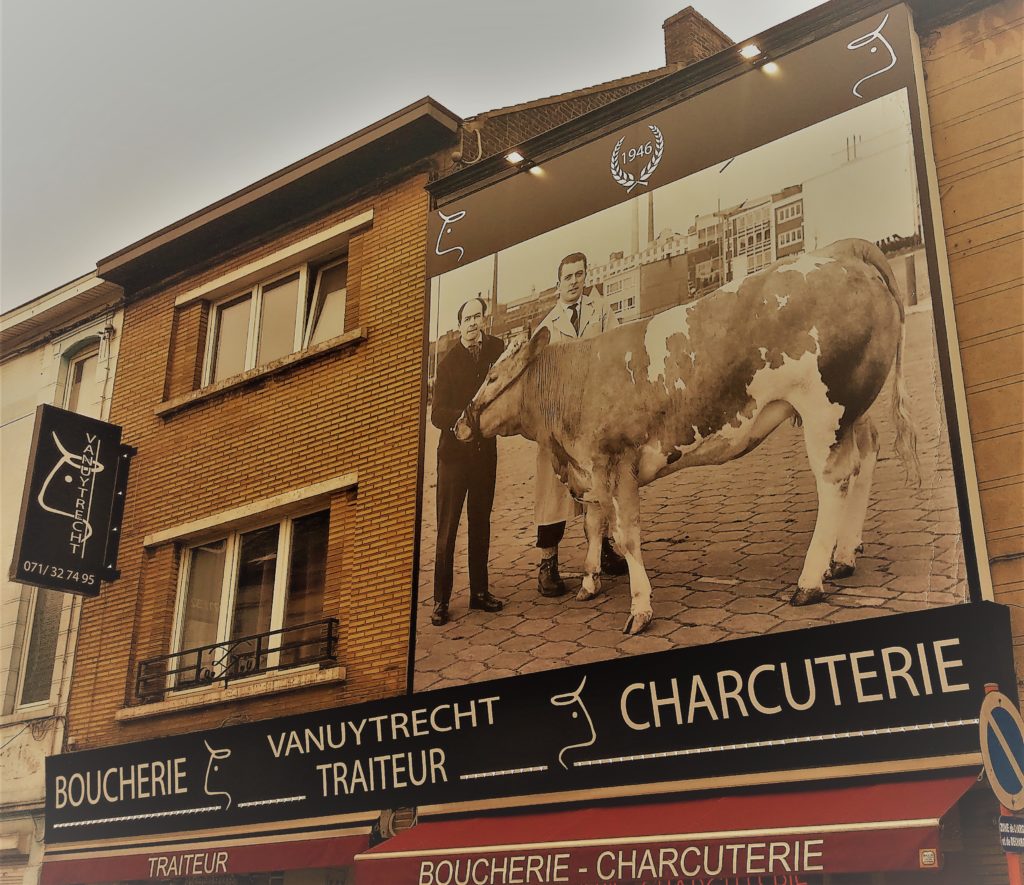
{"x":29,"y":714}
{"x":253,"y":376}
{"x":259,"y":686}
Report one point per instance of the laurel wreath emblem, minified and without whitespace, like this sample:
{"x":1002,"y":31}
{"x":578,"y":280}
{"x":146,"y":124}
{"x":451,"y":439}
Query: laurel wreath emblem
{"x":627,"y":179}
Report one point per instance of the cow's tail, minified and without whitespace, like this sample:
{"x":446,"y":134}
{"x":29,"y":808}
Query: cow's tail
{"x":906,"y":432}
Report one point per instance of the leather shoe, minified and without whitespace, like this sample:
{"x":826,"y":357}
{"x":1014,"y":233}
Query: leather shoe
{"x":440,"y":616}
{"x":549,"y":582}
{"x":486,"y":602}
{"x":611,"y":562}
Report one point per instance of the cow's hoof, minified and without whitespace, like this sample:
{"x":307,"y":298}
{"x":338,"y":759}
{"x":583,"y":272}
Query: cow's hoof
{"x":807,"y":596}
{"x":637,"y":622}
{"x":590,"y":588}
{"x":839,"y":570}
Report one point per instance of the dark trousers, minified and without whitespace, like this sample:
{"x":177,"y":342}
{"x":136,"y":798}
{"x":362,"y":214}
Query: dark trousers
{"x":460,"y":479}
{"x":550,"y":535}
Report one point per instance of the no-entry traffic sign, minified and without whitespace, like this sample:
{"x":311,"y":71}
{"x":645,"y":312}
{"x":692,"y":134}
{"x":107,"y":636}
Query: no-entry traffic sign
{"x":1002,"y":748}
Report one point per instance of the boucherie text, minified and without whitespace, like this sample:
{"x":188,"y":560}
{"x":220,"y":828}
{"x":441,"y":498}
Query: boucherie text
{"x":676,"y":863}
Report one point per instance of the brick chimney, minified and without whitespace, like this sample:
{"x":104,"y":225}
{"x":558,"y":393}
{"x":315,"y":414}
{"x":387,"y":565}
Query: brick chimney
{"x":689,"y":37}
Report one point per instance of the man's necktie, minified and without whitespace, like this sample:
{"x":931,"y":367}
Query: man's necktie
{"x":575,"y":308}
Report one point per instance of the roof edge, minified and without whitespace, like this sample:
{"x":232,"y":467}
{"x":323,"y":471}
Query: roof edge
{"x":652,"y":74}
{"x":60,"y":295}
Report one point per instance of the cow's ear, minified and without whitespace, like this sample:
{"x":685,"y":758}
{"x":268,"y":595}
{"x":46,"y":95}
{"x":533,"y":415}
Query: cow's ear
{"x":539,"y":341}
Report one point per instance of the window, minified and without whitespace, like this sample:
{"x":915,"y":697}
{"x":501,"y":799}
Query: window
{"x":41,"y":648}
{"x":275,"y":318}
{"x":613,"y":287}
{"x":790,"y":211}
{"x":790,"y":237}
{"x":256,"y":327}
{"x":80,"y":387}
{"x":242,"y":586}
{"x":327,"y":307}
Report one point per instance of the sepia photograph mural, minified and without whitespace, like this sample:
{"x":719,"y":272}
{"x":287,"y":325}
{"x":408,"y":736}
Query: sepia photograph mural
{"x":712,"y":410}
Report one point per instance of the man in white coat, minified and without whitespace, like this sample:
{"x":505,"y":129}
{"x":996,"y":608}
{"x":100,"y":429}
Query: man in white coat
{"x":580,"y":312}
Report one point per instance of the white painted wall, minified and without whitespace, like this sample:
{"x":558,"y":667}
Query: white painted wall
{"x":28,"y":734}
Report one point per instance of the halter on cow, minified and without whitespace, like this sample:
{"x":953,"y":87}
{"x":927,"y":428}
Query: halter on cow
{"x":813,"y":336}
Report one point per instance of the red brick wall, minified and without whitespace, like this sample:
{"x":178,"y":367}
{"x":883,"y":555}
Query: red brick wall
{"x":689,"y":37}
{"x":506,"y":130}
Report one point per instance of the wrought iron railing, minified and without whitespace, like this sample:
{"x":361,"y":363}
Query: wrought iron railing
{"x":315,"y":642}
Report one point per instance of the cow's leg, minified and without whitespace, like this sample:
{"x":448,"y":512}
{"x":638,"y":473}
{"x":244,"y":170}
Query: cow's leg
{"x":832,"y":466}
{"x":851,"y":525}
{"x":624,"y":517}
{"x":593,"y":526}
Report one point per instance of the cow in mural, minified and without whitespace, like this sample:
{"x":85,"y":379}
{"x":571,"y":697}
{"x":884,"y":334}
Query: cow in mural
{"x":812,"y":338}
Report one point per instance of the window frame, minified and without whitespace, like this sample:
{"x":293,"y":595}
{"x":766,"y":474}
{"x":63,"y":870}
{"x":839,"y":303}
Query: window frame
{"x":791,"y":237}
{"x":18,"y":707}
{"x":315,"y":300}
{"x":229,"y":584}
{"x":255,"y":295}
{"x":83,"y":353}
{"x":791,"y":211}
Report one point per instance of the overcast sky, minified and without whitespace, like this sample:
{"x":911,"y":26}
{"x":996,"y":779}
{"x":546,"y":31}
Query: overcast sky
{"x":122,"y":116}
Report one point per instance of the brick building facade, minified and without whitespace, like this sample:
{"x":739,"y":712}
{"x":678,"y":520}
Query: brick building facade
{"x":328,"y":426}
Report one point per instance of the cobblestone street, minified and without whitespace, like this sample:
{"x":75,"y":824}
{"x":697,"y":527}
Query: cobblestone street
{"x":723,"y":545}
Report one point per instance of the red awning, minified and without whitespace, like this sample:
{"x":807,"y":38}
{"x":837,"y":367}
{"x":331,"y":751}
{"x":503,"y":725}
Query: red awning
{"x":206,"y":859}
{"x":876,"y":828}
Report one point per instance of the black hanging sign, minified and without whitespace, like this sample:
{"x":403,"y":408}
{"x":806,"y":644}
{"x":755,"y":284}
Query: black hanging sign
{"x":71,"y":509}
{"x":876,"y":691}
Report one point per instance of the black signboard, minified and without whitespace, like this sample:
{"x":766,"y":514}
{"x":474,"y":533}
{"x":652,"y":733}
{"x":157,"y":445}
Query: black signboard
{"x":874,"y":691}
{"x":71,"y":510}
{"x":1011,"y":833}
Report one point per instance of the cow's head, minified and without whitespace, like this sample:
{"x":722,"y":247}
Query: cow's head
{"x":496,"y":408}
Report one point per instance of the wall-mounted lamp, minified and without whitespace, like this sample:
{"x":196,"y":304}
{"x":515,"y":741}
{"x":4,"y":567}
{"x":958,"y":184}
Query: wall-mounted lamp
{"x":751,"y":50}
{"x":770,"y":67}
{"x":521,"y":163}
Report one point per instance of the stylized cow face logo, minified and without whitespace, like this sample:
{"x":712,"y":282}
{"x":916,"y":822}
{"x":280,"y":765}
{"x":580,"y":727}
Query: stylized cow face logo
{"x":67,"y":489}
{"x":447,"y":223}
{"x":213,"y":768}
{"x":574,"y":701}
{"x":875,"y":42}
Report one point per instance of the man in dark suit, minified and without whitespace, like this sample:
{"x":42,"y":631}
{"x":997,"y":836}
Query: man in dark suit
{"x":465,"y":470}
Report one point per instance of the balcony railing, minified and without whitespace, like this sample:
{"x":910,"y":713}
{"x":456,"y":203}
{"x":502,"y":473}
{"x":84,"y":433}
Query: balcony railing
{"x":315,"y":642}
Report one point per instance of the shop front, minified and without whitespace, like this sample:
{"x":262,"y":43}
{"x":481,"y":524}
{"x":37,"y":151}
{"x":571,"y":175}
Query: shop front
{"x":750,"y":758}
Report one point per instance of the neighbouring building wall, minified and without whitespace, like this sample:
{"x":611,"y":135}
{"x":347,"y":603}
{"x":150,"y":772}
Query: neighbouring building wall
{"x":354,"y":410}
{"x":973,"y":70}
{"x":38,"y":627}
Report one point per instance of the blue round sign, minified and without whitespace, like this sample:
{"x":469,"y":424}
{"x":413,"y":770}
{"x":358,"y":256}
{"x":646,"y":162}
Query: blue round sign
{"x":1002,"y":748}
